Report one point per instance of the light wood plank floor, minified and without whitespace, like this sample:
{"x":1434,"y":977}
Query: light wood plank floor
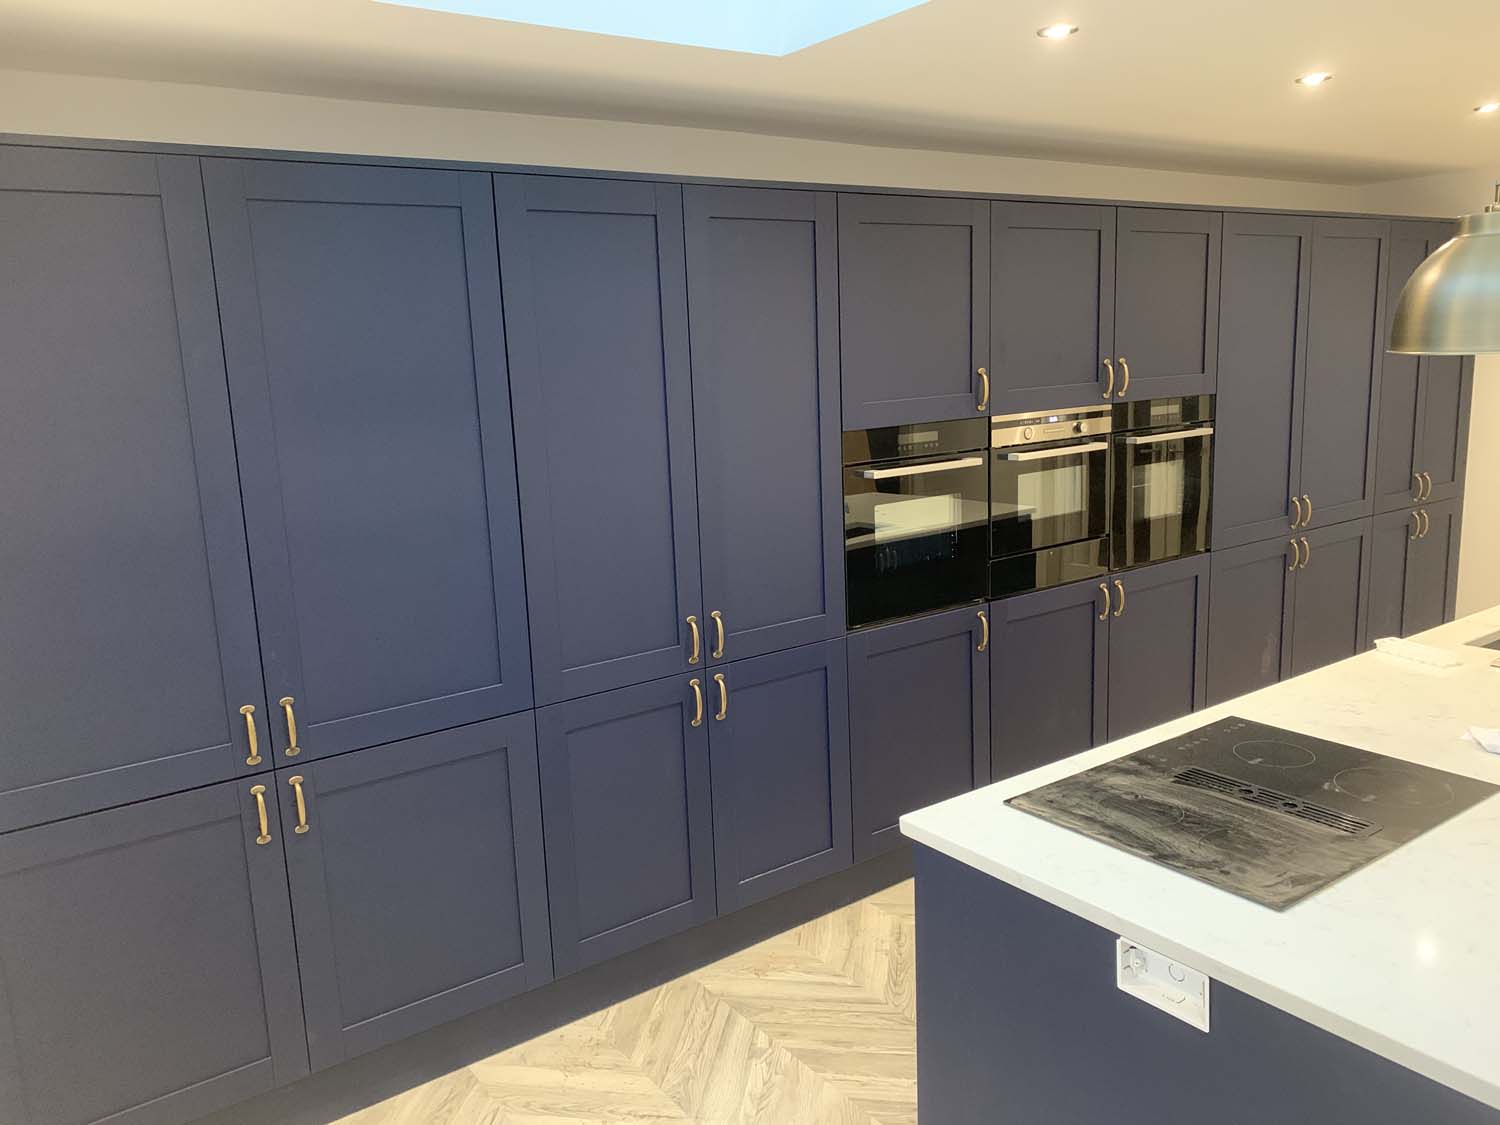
{"x":816,"y":1026}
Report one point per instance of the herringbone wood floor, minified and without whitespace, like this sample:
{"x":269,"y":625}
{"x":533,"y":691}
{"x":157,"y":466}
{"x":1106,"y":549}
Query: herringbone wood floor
{"x":816,"y":1026}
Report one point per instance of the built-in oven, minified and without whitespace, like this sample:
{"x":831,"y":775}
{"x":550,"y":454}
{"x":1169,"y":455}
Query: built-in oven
{"x":1163,"y":479}
{"x":1049,"y":498}
{"x":916,"y":518}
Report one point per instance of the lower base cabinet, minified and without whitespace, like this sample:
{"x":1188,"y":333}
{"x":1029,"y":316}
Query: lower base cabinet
{"x":919,"y":719}
{"x":418,"y":882}
{"x":1158,"y":644}
{"x":1330,"y":599}
{"x":147,"y":971}
{"x":1413,"y":569}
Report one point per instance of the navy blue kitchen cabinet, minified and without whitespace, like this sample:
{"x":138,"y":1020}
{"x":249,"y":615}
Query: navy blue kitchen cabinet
{"x":367,"y":366}
{"x":779,"y":752}
{"x":1329,"y":606}
{"x":627,"y":817}
{"x":596,"y":317}
{"x":147,"y":969}
{"x":1262,"y":376}
{"x":1250,"y":617}
{"x":418,"y":882}
{"x":919,"y":719}
{"x":128,"y":662}
{"x":1158,"y":644}
{"x":1413,"y":569}
{"x":762,"y":270}
{"x":914,"y":304}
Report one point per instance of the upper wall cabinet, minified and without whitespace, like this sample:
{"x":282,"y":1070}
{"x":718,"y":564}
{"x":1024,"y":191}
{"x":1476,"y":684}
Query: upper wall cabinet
{"x":914,"y":303}
{"x":596,"y":311}
{"x":763,"y":293}
{"x":362,"y":330}
{"x":127,"y":631}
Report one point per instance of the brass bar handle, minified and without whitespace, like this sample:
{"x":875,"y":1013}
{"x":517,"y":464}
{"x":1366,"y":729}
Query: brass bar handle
{"x":292,"y":749}
{"x":1426,"y":522}
{"x":1297,"y":519}
{"x":1120,"y":589}
{"x":1296,"y":554}
{"x":248,"y":710}
{"x":718,"y":634}
{"x":1306,"y":552}
{"x":984,"y":394}
{"x":723,"y":696}
{"x":984,"y":637}
{"x":1104,"y":586}
{"x":697,"y":685}
{"x":296,"y":783}
{"x":1427,"y":477}
{"x":1417,"y":499}
{"x":259,"y":793}
{"x":696,"y":653}
{"x":1307,"y":503}
{"x":1125,"y":385}
{"x":1416,"y":526}
{"x":1109,"y":387}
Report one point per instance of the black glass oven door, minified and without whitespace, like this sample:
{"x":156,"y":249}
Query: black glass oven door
{"x":1047,"y":496}
{"x":1162,"y":488}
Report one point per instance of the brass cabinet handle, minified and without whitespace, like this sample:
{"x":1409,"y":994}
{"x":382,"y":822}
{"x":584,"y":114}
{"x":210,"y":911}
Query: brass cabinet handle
{"x":248,"y":710}
{"x":984,"y":637}
{"x":1426,"y":522}
{"x":296,"y":783}
{"x":1297,"y":519}
{"x":1427,"y":480}
{"x":292,"y":749}
{"x":1120,"y":589}
{"x":1109,"y":387}
{"x":723,"y":696}
{"x":1306,"y":552}
{"x":718,"y":634}
{"x":1307,"y":503}
{"x":697,"y":685}
{"x":1417,"y":499}
{"x":697,"y":641}
{"x":984,"y":394}
{"x":1125,"y":384}
{"x":259,"y":793}
{"x":1416,"y":526}
{"x":1296,"y":553}
{"x":1105,"y":612}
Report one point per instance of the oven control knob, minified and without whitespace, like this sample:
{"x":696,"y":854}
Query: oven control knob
{"x":1080,"y":427}
{"x":1026,"y":433}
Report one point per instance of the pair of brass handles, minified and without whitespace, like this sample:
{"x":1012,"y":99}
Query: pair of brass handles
{"x":1302,"y":519}
{"x":697,"y":652}
{"x":1424,"y":487}
{"x":1109,"y":388}
{"x":1119,"y":609}
{"x":292,"y":749}
{"x":259,"y":793}
{"x":697,"y":686}
{"x":1300,"y":555}
{"x":1421,"y":524}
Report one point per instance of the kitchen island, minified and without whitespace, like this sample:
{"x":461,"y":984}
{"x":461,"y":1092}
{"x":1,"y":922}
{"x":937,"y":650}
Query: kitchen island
{"x":1375,"y":1000}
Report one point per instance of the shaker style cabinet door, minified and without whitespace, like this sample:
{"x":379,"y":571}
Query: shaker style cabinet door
{"x":914,"y":302}
{"x":919,"y":719}
{"x":627,"y":817}
{"x":418,"y":882}
{"x":596,"y":317}
{"x":1166,"y":301}
{"x":1391,"y":536}
{"x":367,"y":365}
{"x":127,"y":629}
{"x":1431,"y":589}
{"x":779,"y":748}
{"x":147,"y":970}
{"x":1398,"y":432}
{"x":1249,"y":617}
{"x":1158,"y":644}
{"x":1052,"y":305}
{"x":763,"y":292}
{"x":1333,"y":584}
{"x":1262,"y":339}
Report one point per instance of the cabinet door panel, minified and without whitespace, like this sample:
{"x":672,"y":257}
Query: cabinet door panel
{"x":1052,"y":318}
{"x":914,"y":281}
{"x":1391,"y":534}
{"x":1167,"y":300}
{"x":780,"y":770}
{"x":147,"y":971}
{"x":1258,"y":418}
{"x":1447,"y":386}
{"x":1398,"y":435}
{"x":919,"y":717}
{"x":1249,"y":618}
{"x":1158,"y":644}
{"x":127,"y":630}
{"x":1432,"y":570}
{"x":1329,"y":612}
{"x":363,"y":337}
{"x":418,"y":883}
{"x":1344,"y":348}
{"x":596,"y":315}
{"x":1049,"y":667}
{"x":763,"y":294}
{"x":626,"y":814}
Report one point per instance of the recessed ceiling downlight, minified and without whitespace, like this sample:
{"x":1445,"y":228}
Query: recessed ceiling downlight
{"x":1487,"y":107}
{"x":1057,"y":31}
{"x":1316,"y":78}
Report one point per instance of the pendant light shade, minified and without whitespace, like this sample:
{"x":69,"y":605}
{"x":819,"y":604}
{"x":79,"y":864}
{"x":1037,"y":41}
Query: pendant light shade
{"x":1451,"y":305}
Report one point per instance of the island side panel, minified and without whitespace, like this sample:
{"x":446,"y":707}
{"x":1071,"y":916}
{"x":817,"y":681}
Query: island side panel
{"x":1019,"y":1021}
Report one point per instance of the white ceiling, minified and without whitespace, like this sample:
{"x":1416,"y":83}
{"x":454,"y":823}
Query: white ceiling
{"x":1161,"y":83}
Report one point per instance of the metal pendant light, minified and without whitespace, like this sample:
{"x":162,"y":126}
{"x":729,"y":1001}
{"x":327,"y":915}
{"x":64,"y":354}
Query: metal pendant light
{"x":1451,"y":305}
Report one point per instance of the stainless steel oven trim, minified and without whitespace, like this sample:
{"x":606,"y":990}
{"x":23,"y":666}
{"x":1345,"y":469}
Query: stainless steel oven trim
{"x":918,"y":470}
{"x":1175,"y":435}
{"x":1054,"y":451}
{"x":1039,"y":415}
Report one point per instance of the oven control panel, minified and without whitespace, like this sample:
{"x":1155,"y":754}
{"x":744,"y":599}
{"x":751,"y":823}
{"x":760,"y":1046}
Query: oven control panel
{"x":1028,"y":429}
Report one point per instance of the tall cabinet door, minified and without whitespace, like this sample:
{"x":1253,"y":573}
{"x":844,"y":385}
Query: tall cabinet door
{"x":919,"y":719}
{"x":1346,"y":322}
{"x":1398,"y":432}
{"x":914,"y":278}
{"x":1447,"y":387}
{"x":147,"y":971}
{"x":1166,"y":301}
{"x":127,"y":630}
{"x":1262,"y":349}
{"x":1052,"y":304}
{"x":1158,"y":644}
{"x":1432,"y":569}
{"x":596,"y":312}
{"x":779,"y":745}
{"x":1049,"y":676}
{"x":1249,"y":617}
{"x":1391,"y":535}
{"x":763,"y":288}
{"x":1333,"y":586}
{"x":362,"y":331}
{"x":418,"y":882}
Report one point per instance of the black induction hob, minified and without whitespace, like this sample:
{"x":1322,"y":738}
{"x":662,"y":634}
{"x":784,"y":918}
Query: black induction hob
{"x":1268,"y":814}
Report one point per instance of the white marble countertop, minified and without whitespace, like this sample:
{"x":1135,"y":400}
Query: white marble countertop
{"x":1401,"y":956}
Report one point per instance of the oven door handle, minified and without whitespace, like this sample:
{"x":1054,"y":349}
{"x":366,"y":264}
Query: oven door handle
{"x":1175,"y":435}
{"x":1056,"y":451}
{"x":918,"y":470}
